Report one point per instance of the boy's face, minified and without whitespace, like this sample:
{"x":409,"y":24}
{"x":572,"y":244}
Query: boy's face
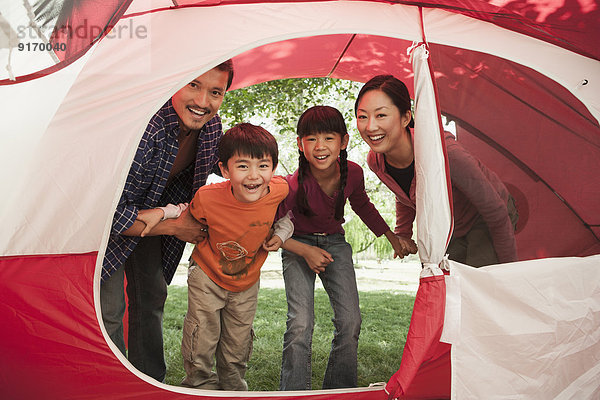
{"x":249,"y":176}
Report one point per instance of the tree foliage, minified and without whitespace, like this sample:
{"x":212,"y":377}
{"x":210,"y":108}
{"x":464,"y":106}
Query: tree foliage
{"x":277,"y":105}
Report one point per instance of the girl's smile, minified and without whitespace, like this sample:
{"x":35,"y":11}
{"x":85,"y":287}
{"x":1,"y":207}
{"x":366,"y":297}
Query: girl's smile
{"x":322,"y":150}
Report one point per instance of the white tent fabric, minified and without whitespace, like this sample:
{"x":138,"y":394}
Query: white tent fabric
{"x":337,"y":17}
{"x":121,"y":67}
{"x":433,"y":202}
{"x":531,"y":328}
{"x":69,"y":138}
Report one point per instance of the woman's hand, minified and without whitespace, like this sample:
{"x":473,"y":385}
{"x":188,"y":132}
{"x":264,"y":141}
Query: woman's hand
{"x":402,"y":246}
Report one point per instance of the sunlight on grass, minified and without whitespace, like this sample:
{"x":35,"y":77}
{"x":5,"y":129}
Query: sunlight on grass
{"x":385,"y":315}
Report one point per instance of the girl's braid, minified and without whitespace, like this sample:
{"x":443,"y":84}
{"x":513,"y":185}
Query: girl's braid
{"x":340,"y":201}
{"x":301,"y":200}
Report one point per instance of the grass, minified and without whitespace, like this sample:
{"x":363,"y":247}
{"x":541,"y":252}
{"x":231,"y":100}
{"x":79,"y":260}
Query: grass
{"x":386,"y":317}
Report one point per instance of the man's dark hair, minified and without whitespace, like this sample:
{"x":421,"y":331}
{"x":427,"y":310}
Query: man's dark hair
{"x":227,"y":66}
{"x":247,"y":140}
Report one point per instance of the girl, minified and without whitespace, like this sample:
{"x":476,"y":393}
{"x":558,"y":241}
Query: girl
{"x":484,"y":212}
{"x":318,"y":192}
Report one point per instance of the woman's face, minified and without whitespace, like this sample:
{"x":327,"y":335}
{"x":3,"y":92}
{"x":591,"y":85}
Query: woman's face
{"x":380,"y":122}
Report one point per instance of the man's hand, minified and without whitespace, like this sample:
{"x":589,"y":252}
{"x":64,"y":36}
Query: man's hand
{"x":188,"y":229}
{"x":151,"y":218}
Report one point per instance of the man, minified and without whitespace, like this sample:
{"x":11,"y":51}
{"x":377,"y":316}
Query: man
{"x":174,"y":158}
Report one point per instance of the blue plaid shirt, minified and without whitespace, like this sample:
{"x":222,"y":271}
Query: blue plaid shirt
{"x":146,"y":186}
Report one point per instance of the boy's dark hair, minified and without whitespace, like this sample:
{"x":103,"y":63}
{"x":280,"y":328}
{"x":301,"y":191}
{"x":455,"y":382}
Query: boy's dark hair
{"x":227,"y":66}
{"x":321,"y":119}
{"x":247,"y":140}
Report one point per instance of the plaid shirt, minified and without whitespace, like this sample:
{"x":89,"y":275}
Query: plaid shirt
{"x":146,"y":186}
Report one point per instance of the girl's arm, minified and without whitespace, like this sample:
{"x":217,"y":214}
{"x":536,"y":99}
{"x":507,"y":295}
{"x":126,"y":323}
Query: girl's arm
{"x":405,"y":205}
{"x":316,"y":258}
{"x":282,"y":230}
{"x":361,"y":203}
{"x":365,"y":209}
{"x":401,"y":245}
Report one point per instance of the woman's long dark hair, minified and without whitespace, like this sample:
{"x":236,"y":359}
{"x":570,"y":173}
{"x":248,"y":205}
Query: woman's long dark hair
{"x":321,"y":119}
{"x":394,"y":88}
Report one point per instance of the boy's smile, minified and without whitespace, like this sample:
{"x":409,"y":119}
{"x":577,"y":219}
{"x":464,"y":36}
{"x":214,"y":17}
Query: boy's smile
{"x":249,"y":176}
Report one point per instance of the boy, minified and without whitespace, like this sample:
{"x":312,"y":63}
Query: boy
{"x":223,"y":277}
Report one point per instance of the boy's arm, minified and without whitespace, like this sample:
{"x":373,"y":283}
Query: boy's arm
{"x":151,"y":218}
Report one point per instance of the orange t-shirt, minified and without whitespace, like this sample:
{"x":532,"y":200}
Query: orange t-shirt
{"x":233,"y":254}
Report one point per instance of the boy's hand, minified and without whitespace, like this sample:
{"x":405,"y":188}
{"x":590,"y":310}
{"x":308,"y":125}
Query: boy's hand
{"x":151,"y":218}
{"x":317,"y":258}
{"x":272,"y":244}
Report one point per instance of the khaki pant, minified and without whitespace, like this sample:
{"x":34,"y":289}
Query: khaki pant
{"x":476,"y":248}
{"x":218,"y":324}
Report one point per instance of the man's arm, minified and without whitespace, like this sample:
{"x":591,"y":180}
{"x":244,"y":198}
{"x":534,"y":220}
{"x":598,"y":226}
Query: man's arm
{"x":154,"y":216}
{"x":185,"y":228}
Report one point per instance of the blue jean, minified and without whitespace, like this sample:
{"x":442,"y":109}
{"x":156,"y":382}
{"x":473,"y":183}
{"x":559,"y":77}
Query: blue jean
{"x":147,"y":293}
{"x":339,"y":281}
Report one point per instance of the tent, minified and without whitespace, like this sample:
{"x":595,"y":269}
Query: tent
{"x":520,"y":79}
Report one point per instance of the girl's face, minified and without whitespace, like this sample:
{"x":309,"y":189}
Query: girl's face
{"x":322,"y":149}
{"x":379,"y":121}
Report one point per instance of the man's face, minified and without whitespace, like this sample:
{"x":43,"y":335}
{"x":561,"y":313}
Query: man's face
{"x":198,"y":101}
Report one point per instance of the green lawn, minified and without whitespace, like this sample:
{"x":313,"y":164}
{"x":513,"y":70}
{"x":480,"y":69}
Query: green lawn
{"x":386,"y":317}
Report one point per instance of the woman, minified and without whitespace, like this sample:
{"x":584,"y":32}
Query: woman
{"x":484,"y":212}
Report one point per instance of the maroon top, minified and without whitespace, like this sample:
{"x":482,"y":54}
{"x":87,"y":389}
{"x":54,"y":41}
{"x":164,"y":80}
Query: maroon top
{"x":324,"y":206}
{"x":476,"y":190}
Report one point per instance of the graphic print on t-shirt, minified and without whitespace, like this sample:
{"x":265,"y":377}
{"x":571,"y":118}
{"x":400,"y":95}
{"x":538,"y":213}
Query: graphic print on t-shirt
{"x":235,"y":259}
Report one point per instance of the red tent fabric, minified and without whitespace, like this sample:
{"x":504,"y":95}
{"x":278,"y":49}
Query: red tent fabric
{"x":425,"y":369}
{"x":520,"y":79}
